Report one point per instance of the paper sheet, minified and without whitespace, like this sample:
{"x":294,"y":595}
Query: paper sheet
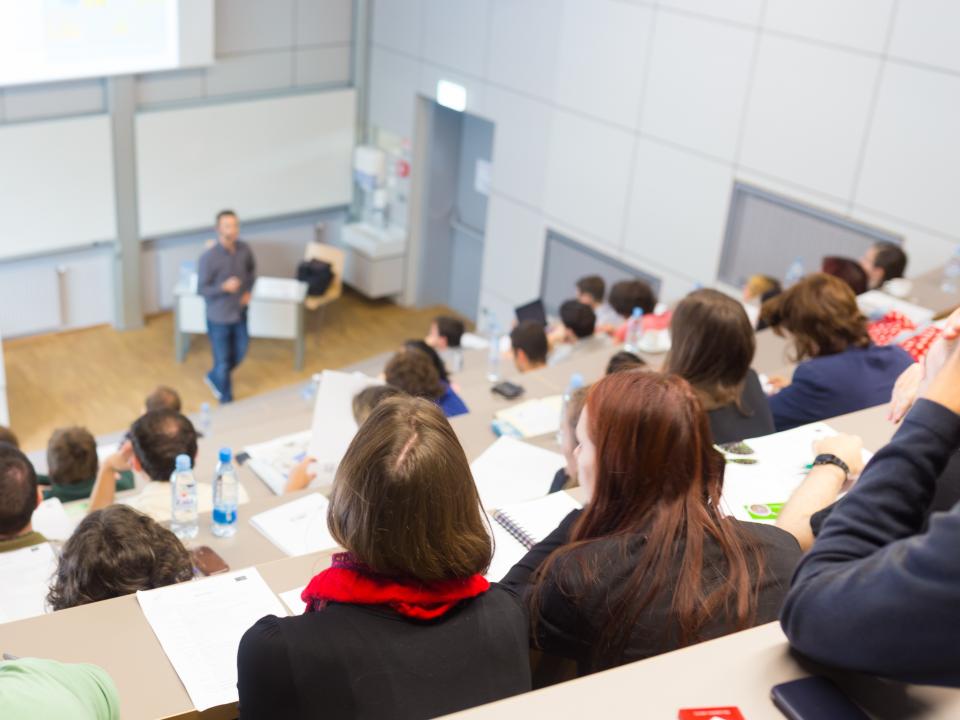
{"x":472,"y":341}
{"x":333,"y":423}
{"x":273,"y":460}
{"x":876,"y":303}
{"x":533,"y":417}
{"x":291,"y":598}
{"x":199,"y":625}
{"x":507,"y":552}
{"x":511,"y":471}
{"x":50,"y":519}
{"x":25,"y":576}
{"x":297,"y":527}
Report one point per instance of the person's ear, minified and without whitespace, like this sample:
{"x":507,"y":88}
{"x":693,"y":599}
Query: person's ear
{"x":39,"y":494}
{"x":522,"y":361}
{"x":135,"y":463}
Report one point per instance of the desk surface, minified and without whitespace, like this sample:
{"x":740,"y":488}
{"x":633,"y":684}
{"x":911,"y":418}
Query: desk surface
{"x":926,"y":291}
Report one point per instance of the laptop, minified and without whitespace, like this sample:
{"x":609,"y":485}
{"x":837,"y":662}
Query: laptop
{"x":532,"y":311}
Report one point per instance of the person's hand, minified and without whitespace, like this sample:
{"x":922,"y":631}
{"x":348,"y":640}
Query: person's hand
{"x":300,"y":476}
{"x":944,"y":387}
{"x":848,"y":448}
{"x":245,"y":299}
{"x":120,"y":460}
{"x":777,"y":382}
{"x":905,"y":392}
{"x":231,"y":284}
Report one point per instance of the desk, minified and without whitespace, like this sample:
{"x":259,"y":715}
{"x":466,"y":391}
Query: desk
{"x":927,"y":292}
{"x":276,"y":312}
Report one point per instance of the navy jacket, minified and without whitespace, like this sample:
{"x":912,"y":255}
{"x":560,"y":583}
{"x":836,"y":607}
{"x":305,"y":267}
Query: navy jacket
{"x":832,"y":385}
{"x":876,"y":594}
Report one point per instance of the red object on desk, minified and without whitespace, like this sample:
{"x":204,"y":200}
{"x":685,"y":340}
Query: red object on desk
{"x":724,"y":713}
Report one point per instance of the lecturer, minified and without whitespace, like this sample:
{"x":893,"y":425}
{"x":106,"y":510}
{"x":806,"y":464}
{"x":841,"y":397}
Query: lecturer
{"x":226,"y":275}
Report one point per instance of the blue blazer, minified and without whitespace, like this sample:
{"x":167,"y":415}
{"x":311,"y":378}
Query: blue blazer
{"x":832,"y":385}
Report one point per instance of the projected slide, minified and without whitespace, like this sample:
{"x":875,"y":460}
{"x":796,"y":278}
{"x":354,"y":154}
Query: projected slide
{"x":43,"y":40}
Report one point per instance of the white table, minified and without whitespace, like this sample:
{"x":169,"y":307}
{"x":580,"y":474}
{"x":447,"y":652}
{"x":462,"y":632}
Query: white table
{"x":276,"y":312}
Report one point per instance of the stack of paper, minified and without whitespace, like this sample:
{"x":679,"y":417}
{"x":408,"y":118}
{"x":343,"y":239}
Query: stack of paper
{"x":25,"y":577}
{"x":199,"y":625}
{"x":511,"y":471}
{"x":298,"y":527}
{"x":273,"y":460}
{"x":533,"y":417}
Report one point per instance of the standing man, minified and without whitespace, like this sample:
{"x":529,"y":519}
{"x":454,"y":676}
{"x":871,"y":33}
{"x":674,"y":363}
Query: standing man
{"x":226,"y":276}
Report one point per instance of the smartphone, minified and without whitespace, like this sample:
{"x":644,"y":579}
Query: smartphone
{"x":815,"y":698}
{"x":207,"y":561}
{"x":508,"y":390}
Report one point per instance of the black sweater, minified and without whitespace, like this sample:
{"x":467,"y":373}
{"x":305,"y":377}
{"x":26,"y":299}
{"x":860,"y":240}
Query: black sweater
{"x":572,"y":613}
{"x":356,"y":661}
{"x":730,"y":424}
{"x":876,"y":594}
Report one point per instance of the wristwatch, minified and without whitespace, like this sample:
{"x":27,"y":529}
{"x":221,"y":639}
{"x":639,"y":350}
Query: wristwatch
{"x":828,"y":459}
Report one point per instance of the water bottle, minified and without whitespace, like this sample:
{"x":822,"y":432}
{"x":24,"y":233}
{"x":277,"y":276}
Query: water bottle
{"x":794,"y":272}
{"x":493,"y":352}
{"x":951,"y":273}
{"x":206,"y":419}
{"x":634,"y":331}
{"x":183,"y":490}
{"x":455,"y":359}
{"x":225,"y":490}
{"x":309,"y":392}
{"x":576,"y":382}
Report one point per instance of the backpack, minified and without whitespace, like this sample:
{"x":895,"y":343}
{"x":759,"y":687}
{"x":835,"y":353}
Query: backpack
{"x":317,"y":274}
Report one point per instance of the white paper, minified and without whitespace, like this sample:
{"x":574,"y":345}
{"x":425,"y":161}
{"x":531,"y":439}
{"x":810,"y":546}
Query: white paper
{"x":273,"y":460}
{"x":511,"y":471}
{"x":25,"y":577}
{"x":333,"y":422}
{"x":472,"y":341}
{"x":271,"y":288}
{"x":534,"y":417}
{"x":291,"y":598}
{"x":50,"y":519}
{"x":199,"y":625}
{"x":507,"y":552}
{"x":297,"y":527}
{"x":876,"y":302}
{"x":105,"y":451}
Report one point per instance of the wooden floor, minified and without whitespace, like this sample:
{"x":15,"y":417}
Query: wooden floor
{"x":99,"y":377}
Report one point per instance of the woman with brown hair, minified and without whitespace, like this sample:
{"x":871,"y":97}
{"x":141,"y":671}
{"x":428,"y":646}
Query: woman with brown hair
{"x":651,"y":563}
{"x":403,"y":624}
{"x":413,"y":371}
{"x":841,"y":370}
{"x":712,"y":347}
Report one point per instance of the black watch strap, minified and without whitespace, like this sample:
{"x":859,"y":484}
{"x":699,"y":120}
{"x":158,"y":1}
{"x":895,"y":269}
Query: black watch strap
{"x":828,"y":459}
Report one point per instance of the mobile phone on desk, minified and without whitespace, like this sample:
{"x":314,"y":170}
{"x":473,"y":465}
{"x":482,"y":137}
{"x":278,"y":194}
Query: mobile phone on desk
{"x":508,"y":390}
{"x":208,"y":561}
{"x":815,"y":698}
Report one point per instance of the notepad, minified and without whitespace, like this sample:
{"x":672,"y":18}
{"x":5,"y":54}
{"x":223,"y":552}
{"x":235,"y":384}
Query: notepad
{"x":518,"y":528}
{"x":25,"y":577}
{"x":511,"y":471}
{"x":532,"y":418}
{"x":199,"y":625}
{"x":298,"y":527}
{"x":272,"y":461}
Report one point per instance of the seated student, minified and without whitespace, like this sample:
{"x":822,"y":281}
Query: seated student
{"x":117,"y":551}
{"x":579,"y":323}
{"x":414,"y":372}
{"x":529,"y":342}
{"x":7,"y":436}
{"x":627,"y":295}
{"x":883,"y":261}
{"x":434,"y":356}
{"x":72,"y":466}
{"x":847,"y":270}
{"x":712,"y":348}
{"x":604,"y":588}
{"x":163,"y":398}
{"x":878,"y":591}
{"x":403,"y":624}
{"x":759,"y":289}
{"x":566,"y":476}
{"x":155,"y":440}
{"x":44,"y":689}
{"x":19,"y":497}
{"x":624,"y":360}
{"x":445,"y":333}
{"x":591,"y":290}
{"x":840,"y":370}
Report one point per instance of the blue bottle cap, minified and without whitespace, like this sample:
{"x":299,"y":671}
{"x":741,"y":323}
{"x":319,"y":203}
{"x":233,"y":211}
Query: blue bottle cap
{"x":225,"y":455}
{"x":637,"y":312}
{"x":576,"y":381}
{"x":183,"y":462}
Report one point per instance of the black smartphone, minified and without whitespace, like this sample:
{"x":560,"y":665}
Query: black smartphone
{"x":815,"y":698}
{"x":508,"y":390}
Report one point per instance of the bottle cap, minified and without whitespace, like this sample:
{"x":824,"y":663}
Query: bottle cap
{"x":637,"y":312}
{"x":205,"y":407}
{"x":183,"y":462}
{"x":225,"y":455}
{"x":576,"y":381}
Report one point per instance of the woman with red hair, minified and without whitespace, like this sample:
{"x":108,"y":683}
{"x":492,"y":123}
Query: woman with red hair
{"x":651,"y":563}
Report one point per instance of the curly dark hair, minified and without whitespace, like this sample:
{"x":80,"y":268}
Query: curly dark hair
{"x":117,"y":551}
{"x":629,"y":294}
{"x":71,"y":456}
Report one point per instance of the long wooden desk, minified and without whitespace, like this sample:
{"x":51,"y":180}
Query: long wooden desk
{"x":927,"y":291}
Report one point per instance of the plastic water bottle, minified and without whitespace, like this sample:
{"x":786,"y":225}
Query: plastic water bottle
{"x":206,"y":419}
{"x":951,"y":273}
{"x":183,"y":491}
{"x":794,"y":273}
{"x":634,"y":331}
{"x":493,"y":351}
{"x":225,"y":491}
{"x":309,"y":392}
{"x":576,"y":382}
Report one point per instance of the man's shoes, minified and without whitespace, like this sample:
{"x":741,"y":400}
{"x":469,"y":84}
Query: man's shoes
{"x":208,"y":381}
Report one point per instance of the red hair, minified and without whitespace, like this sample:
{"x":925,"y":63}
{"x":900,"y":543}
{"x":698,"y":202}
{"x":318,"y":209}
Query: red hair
{"x":658,"y":476}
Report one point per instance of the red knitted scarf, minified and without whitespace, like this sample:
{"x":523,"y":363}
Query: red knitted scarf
{"x":349,"y":581}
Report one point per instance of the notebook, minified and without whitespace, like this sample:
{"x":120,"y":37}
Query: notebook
{"x":25,"y":576}
{"x":511,"y":471}
{"x":298,"y":527}
{"x":531,"y":418}
{"x":273,"y":460}
{"x":518,"y":528}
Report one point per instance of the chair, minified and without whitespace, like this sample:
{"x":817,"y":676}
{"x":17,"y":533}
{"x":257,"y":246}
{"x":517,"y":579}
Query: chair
{"x":334,"y":256}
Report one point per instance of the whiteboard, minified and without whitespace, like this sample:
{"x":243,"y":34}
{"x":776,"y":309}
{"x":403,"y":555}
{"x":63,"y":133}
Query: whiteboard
{"x":56,"y":185}
{"x":262,"y":158}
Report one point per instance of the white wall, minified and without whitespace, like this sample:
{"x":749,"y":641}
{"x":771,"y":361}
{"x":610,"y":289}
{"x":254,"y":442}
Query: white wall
{"x":624,"y":123}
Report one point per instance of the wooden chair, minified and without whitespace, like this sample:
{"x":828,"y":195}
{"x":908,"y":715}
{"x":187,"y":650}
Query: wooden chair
{"x":334,"y":256}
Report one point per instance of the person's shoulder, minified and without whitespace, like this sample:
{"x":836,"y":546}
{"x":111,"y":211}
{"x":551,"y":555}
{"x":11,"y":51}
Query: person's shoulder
{"x":772,"y":538}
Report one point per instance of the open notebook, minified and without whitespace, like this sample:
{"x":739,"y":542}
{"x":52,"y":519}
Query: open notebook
{"x":273,"y":460}
{"x":512,"y":471}
{"x":531,"y":418}
{"x":518,"y":528}
{"x":298,"y":527}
